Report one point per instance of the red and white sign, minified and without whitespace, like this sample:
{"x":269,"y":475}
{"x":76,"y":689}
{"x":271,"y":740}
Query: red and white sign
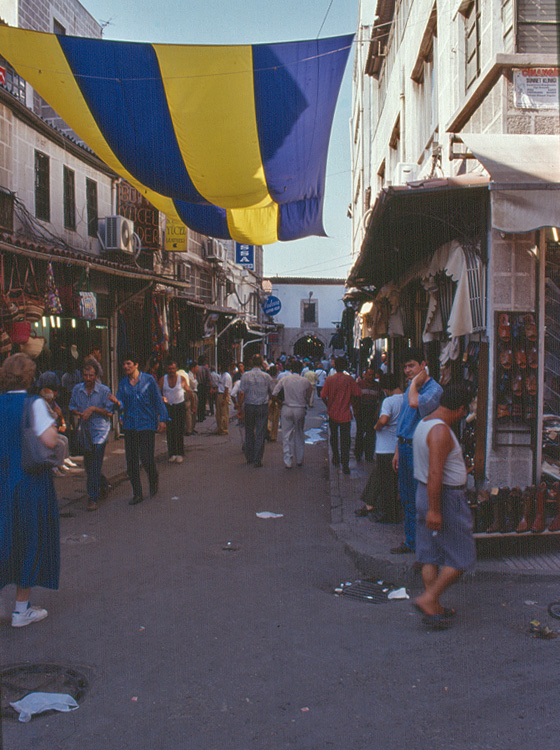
{"x":2,"y":75}
{"x":536,"y":88}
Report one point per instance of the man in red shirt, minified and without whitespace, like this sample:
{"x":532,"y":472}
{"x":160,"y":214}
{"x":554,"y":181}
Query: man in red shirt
{"x":340,"y":393}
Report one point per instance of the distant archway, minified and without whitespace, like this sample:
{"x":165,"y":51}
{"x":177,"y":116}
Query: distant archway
{"x":309,"y":346}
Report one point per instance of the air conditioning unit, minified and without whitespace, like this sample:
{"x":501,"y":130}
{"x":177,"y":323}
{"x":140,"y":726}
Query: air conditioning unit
{"x":404,"y":173}
{"x":183,"y":272}
{"x":119,"y":235}
{"x":215,"y":250}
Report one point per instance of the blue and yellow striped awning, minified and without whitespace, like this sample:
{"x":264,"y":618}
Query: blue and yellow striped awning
{"x":231,"y":140}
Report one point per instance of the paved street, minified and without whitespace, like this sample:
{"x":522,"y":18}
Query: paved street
{"x":191,"y":646}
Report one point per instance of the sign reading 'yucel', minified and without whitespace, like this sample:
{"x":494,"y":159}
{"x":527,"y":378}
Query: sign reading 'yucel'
{"x":271,"y":305}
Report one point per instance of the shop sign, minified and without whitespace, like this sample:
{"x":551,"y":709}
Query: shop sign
{"x":2,"y":75}
{"x":271,"y":305}
{"x":245,"y":256}
{"x":536,"y":88}
{"x":175,"y":236}
{"x":132,"y":205}
{"x":273,"y":338}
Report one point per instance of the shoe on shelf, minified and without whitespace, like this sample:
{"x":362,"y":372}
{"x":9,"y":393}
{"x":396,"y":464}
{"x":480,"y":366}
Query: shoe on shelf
{"x":402,"y":549}
{"x":70,"y":463}
{"x":92,"y":505}
{"x":31,"y":614}
{"x":135,"y":500}
{"x":178,"y":459}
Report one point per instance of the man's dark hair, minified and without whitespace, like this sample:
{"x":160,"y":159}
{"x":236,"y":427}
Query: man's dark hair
{"x":455,"y":396}
{"x":131,"y":357}
{"x":202,"y":360}
{"x":340,"y":364}
{"x":273,"y":371}
{"x":256,"y":360}
{"x":389,"y":381}
{"x":170,"y":361}
{"x":193,"y":365}
{"x":413,"y":354}
{"x":297,"y":367}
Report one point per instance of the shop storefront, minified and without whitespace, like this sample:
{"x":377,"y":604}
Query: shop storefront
{"x":467,"y":268}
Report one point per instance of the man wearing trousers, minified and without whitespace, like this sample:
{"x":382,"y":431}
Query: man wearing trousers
{"x":254,"y":393}
{"x":297,"y":394}
{"x":144,"y":414}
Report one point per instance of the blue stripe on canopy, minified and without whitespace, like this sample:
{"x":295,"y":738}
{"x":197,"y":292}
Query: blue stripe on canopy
{"x":300,"y":219}
{"x":208,"y":220}
{"x":122,"y":86}
{"x":296,"y":88}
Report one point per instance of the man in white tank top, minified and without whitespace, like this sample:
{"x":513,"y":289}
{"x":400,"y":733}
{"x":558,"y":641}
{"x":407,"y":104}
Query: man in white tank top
{"x":444,"y":540}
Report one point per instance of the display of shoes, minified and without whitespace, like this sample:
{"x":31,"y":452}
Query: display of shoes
{"x":31,"y":614}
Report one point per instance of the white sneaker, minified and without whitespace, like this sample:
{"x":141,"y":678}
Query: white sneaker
{"x":178,"y":459}
{"x":31,"y":614}
{"x":172,"y":459}
{"x":70,"y":463}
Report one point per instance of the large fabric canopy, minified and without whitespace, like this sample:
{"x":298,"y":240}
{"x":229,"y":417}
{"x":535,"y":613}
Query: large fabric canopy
{"x":231,"y":140}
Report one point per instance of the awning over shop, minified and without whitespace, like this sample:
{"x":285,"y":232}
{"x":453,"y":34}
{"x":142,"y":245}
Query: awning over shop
{"x":409,"y":223}
{"x":525,"y":179}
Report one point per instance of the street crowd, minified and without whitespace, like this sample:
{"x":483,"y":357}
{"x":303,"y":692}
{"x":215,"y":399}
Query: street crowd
{"x":418,"y":472}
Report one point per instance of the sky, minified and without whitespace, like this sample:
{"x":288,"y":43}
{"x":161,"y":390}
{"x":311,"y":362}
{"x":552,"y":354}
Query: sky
{"x":257,"y":22}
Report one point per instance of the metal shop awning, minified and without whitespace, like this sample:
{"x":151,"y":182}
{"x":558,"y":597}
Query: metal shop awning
{"x":525,"y":179}
{"x":408,"y":223}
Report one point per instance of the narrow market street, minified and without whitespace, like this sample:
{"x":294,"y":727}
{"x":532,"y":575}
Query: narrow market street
{"x":199,"y":625}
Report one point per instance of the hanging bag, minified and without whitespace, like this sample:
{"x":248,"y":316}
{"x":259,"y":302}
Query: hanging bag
{"x":20,"y":331}
{"x":34,"y":344}
{"x":34,"y":300}
{"x":85,"y":301}
{"x":16,"y":294}
{"x":53,"y":305}
{"x":35,"y":456}
{"x":8,"y":309}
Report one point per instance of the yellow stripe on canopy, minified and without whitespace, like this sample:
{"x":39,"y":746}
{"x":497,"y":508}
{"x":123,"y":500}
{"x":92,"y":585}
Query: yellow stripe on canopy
{"x":38,"y":59}
{"x":254,"y":226}
{"x":212,"y":104}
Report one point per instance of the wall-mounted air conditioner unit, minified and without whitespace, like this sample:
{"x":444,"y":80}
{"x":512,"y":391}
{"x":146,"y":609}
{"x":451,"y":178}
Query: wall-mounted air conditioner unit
{"x":215,"y":250}
{"x":404,"y":173}
{"x":116,"y":234}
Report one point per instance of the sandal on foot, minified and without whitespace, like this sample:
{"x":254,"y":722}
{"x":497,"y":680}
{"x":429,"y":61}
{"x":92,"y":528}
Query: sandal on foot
{"x":436,"y":622}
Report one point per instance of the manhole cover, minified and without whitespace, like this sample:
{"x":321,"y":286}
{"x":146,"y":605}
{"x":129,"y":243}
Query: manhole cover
{"x":21,"y":679}
{"x":368,"y":591}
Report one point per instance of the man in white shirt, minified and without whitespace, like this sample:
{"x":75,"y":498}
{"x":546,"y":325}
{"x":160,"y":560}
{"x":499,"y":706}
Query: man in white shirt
{"x":222,"y":401}
{"x":297,"y":392}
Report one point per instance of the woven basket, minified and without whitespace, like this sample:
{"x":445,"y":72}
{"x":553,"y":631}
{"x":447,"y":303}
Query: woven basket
{"x":34,"y":346}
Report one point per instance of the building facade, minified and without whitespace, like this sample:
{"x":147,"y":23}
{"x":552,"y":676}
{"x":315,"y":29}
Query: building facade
{"x":456,"y":173}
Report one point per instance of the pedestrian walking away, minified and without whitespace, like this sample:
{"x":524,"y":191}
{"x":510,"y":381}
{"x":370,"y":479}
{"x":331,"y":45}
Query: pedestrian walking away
{"x":255,"y":390}
{"x":29,"y":531}
{"x":444,"y":526}
{"x":144,"y":414}
{"x":340,"y":393}
{"x":92,"y":403}
{"x":297,"y":392}
{"x":420,"y":399}
{"x":174,"y":388}
{"x":222,"y":401}
{"x":204,"y":385}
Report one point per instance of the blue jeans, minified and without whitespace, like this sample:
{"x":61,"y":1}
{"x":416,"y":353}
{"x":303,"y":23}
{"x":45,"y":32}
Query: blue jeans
{"x":93,"y":464}
{"x":256,"y":418}
{"x":407,"y":492}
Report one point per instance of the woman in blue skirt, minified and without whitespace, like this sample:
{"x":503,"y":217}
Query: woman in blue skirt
{"x":29,"y":533}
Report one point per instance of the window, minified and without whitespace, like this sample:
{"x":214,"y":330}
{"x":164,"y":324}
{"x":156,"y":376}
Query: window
{"x":91,"y":198}
{"x":472,"y":46}
{"x":309,"y":312}
{"x":58,"y":28}
{"x":42,"y":187}
{"x":12,"y":82}
{"x":537,"y":26}
{"x":69,"y":199}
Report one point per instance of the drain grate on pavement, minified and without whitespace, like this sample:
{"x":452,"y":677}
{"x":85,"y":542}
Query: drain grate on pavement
{"x":369,"y":591}
{"x":19,"y":680}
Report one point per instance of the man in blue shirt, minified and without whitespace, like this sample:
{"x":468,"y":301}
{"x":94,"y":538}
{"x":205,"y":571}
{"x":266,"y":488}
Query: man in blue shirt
{"x":92,"y":403}
{"x":144,"y":414}
{"x":420,"y":399}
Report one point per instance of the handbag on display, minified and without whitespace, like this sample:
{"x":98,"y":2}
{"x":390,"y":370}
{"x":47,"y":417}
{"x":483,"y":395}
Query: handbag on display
{"x":85,"y":301}
{"x":35,"y":456}
{"x":34,"y":301}
{"x":8,"y":308}
{"x":20,"y":331}
{"x":33,"y":346}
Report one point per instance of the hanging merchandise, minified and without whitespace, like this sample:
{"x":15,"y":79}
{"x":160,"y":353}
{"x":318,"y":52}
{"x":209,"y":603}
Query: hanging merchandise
{"x":34,"y":300}
{"x":20,"y":331}
{"x":53,"y":305}
{"x":8,"y":308}
{"x":33,"y":346}
{"x":85,"y":301}
{"x":15,"y":293}
{"x":5,"y":342}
